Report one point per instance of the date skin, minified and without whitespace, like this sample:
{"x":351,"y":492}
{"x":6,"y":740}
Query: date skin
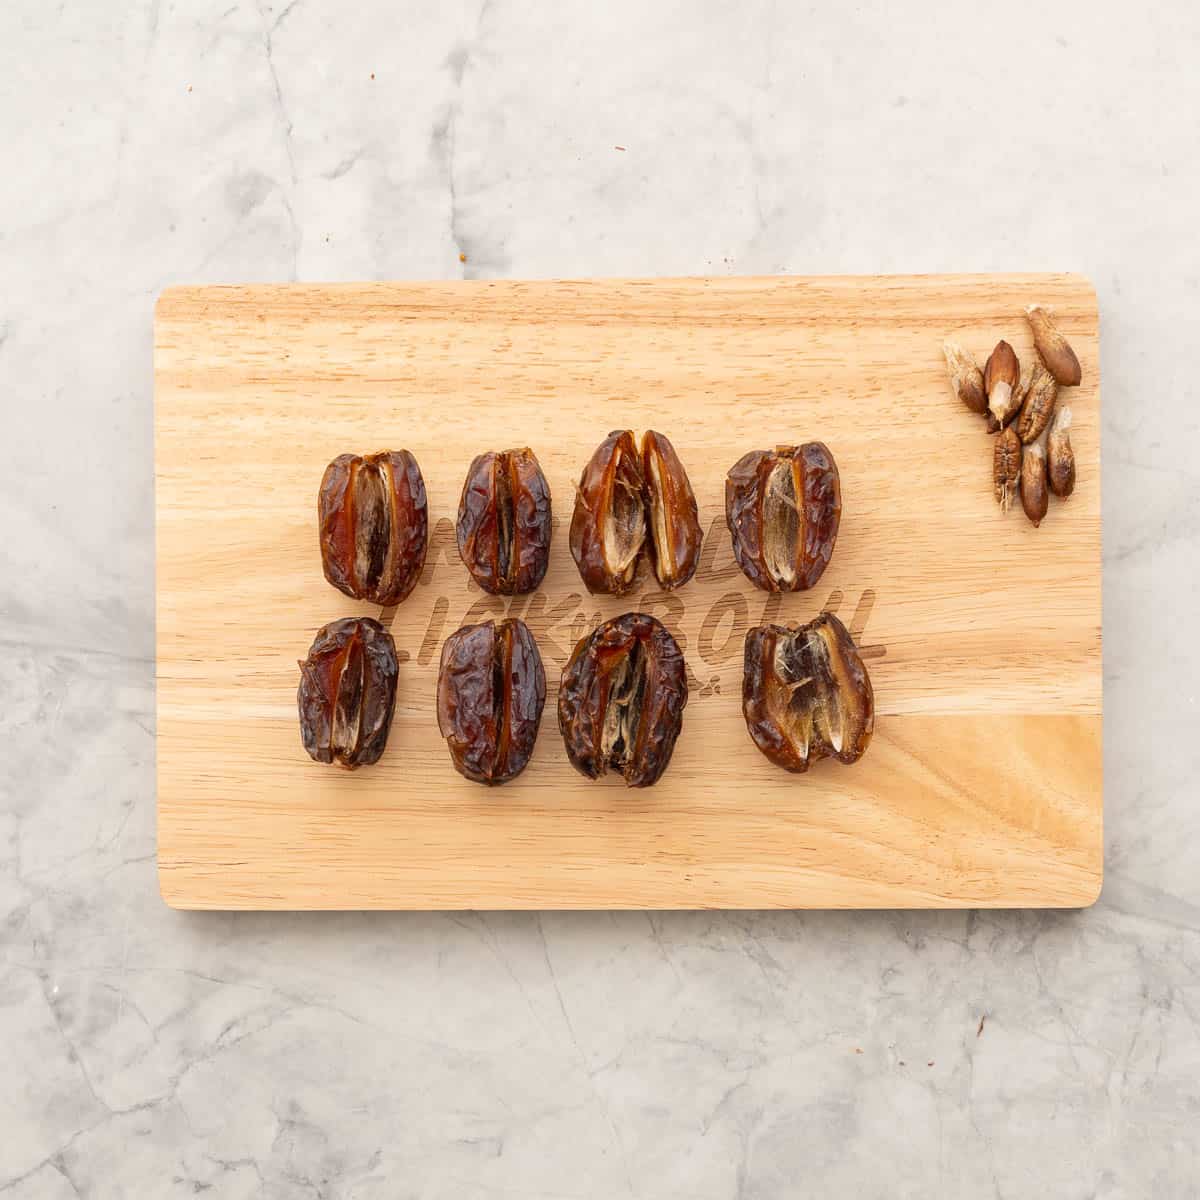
{"x":806,"y":694}
{"x":621,"y":700}
{"x":504,"y":522}
{"x":374,"y":525}
{"x":491,"y":691}
{"x":347,"y":692}
{"x":672,"y":515}
{"x":634,"y":505}
{"x":783,"y":508}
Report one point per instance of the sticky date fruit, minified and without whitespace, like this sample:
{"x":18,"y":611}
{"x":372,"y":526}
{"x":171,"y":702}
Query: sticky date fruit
{"x":621,"y":700}
{"x":783,"y":508}
{"x":374,"y":525}
{"x":631,"y":505}
{"x":504,"y":522}
{"x":491,"y":691}
{"x":806,"y":694}
{"x":348,"y":692}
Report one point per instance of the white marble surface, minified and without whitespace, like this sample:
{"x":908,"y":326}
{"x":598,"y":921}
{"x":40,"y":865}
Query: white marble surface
{"x":149,"y":1053}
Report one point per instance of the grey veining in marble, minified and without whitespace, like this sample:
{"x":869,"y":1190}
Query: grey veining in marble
{"x":147,"y":1053}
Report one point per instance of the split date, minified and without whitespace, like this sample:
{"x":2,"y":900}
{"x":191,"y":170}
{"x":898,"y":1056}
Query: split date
{"x":491,"y":691}
{"x":621,"y":700}
{"x":806,"y":694}
{"x":504,"y":522}
{"x":783,"y":508}
{"x":632,"y":505}
{"x":374,"y":525}
{"x":347,"y":692}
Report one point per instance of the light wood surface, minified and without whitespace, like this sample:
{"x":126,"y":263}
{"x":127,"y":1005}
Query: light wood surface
{"x":982,"y":634}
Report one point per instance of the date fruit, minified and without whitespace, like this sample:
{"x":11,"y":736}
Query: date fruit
{"x":504,"y":522}
{"x":630,"y":505}
{"x":374,"y":525}
{"x":783,"y":508}
{"x":491,"y":691}
{"x":806,"y":694}
{"x":348,"y":692}
{"x":621,"y":700}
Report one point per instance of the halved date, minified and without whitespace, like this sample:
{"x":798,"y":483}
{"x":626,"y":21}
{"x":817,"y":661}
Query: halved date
{"x":621,"y":700}
{"x":783,"y":508}
{"x":504,"y":522}
{"x":632,"y":504}
{"x":374,"y":525}
{"x":347,"y":692}
{"x":806,"y":694}
{"x":491,"y":691}
{"x":608,"y":526}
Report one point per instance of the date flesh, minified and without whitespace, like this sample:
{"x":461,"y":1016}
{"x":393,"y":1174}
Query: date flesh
{"x":621,"y":700}
{"x":374,"y":525}
{"x":504,"y":522}
{"x":347,"y":692}
{"x":491,"y":691}
{"x":631,"y":505}
{"x":806,"y":694}
{"x":783,"y":508}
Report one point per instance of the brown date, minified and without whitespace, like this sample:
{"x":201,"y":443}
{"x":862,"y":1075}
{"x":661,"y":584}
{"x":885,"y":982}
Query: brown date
{"x":783,"y":508}
{"x":806,"y":694}
{"x":504,"y":522}
{"x":374,"y":525}
{"x":630,"y":505}
{"x":621,"y":700}
{"x":491,"y":691}
{"x":348,"y":692}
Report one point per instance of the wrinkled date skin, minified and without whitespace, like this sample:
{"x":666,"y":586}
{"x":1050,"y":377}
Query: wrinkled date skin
{"x":374,"y":525}
{"x":621,"y":700}
{"x":491,"y":691}
{"x":783,"y":508}
{"x":348,"y":692}
{"x":806,"y":694}
{"x":632,"y":505}
{"x":504,"y":522}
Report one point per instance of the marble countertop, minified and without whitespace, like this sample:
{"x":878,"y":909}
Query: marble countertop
{"x":152,"y":1053}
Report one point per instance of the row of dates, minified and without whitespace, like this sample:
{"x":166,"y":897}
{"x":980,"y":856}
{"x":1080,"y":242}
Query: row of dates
{"x":633,"y":505}
{"x":806,"y":695}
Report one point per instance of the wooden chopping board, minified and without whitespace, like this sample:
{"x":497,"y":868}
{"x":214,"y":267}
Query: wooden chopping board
{"x":983,"y":786}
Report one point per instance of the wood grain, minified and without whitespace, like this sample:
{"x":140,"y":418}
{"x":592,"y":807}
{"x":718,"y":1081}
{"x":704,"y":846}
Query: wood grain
{"x":983,"y":786}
